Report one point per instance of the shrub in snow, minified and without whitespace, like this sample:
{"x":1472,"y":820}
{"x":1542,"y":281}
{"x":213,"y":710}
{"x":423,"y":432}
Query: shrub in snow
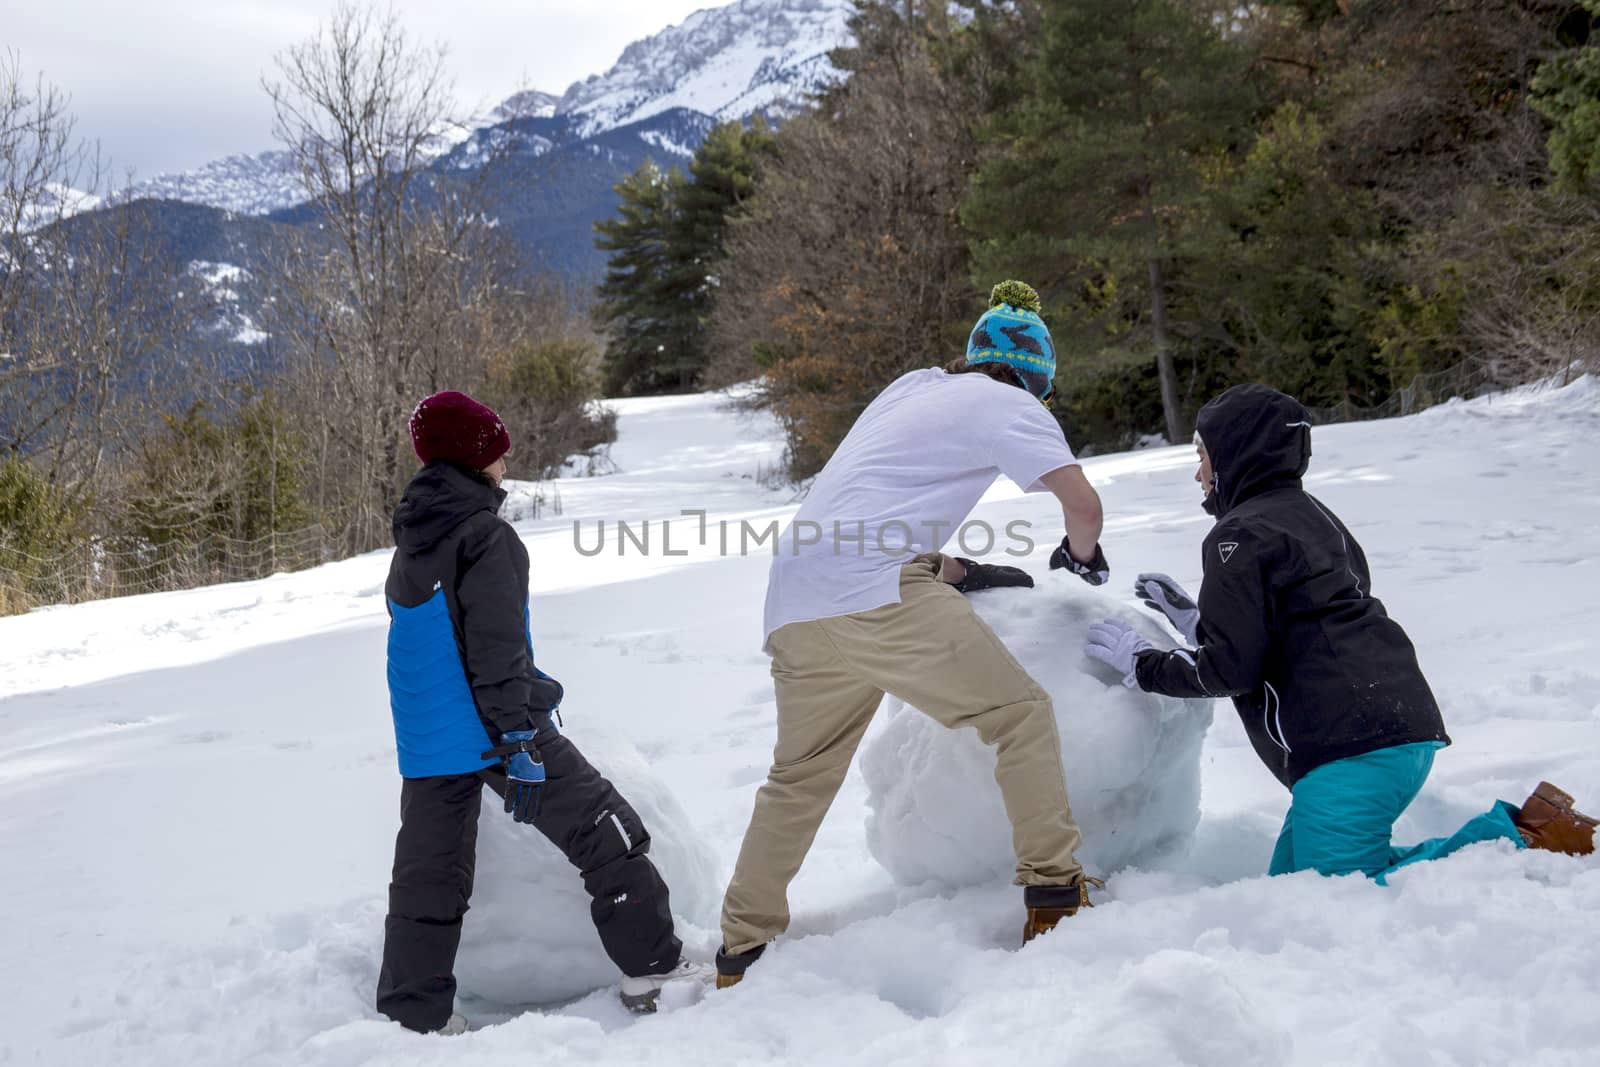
{"x":1132,"y":758}
{"x":528,"y":938}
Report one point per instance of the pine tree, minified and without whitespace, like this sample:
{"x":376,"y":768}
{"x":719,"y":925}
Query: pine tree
{"x":238,"y":478}
{"x":664,"y":245}
{"x":37,"y":522}
{"x":1290,"y":294}
{"x":638,"y":319}
{"x":1567,"y":92}
{"x":1096,"y":193}
{"x":722,"y":177}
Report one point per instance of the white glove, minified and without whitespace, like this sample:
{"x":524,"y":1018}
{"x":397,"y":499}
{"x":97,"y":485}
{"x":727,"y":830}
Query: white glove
{"x":1168,"y":597}
{"x":1117,"y":645}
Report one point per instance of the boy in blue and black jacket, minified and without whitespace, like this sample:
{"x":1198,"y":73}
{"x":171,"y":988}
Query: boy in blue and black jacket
{"x":471,"y":709}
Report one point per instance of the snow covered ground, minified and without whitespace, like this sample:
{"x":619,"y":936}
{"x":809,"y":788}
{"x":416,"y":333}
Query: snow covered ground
{"x":198,"y":797}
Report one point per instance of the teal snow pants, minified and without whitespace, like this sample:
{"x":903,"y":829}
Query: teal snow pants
{"x":1343,"y":814}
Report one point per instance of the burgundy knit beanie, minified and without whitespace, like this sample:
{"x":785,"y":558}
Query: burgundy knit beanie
{"x":453,"y":426}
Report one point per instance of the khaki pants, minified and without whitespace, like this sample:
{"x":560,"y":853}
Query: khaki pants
{"x":932,"y":651}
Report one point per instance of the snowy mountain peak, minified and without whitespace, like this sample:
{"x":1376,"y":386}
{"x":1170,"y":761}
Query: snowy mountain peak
{"x":528,"y":104}
{"x":721,"y":63}
{"x":56,"y":201}
{"x":726,"y":62}
{"x":268,"y":182}
{"x":247,"y":185}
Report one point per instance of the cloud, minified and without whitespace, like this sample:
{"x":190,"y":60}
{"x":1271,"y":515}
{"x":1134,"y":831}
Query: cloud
{"x":173,"y":85}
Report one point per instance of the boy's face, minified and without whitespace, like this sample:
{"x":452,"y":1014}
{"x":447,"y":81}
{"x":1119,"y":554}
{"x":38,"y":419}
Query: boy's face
{"x":496,"y":471}
{"x":1204,"y":475}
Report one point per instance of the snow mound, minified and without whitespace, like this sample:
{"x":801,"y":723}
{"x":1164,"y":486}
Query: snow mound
{"x":528,"y":938}
{"x":1132,"y":758}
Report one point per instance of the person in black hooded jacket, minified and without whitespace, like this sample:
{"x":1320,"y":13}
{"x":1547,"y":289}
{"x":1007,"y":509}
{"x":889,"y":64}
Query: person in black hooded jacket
{"x":471,"y":709}
{"x":1326,"y":684}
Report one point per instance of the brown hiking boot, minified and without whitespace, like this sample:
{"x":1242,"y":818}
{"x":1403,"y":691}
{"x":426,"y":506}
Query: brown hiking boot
{"x":1048,"y":904}
{"x":731,"y":966}
{"x":1547,"y":820}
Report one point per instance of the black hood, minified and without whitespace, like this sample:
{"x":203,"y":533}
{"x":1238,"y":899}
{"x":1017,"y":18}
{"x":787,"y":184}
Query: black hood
{"x":1258,"y":439}
{"x":438,"y":499}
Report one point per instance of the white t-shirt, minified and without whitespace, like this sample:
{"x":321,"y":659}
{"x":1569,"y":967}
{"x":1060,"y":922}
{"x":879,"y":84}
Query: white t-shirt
{"x":901,"y":483}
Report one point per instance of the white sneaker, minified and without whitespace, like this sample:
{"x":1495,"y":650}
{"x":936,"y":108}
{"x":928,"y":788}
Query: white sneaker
{"x":640,"y":994}
{"x":454,"y":1026}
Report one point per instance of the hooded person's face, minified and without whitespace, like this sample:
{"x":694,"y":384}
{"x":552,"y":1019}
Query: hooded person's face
{"x":1251,"y":439}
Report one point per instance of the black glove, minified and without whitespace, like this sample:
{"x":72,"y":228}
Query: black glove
{"x":1096,"y":572}
{"x":991,"y":576}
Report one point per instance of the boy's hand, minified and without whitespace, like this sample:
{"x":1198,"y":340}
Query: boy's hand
{"x":1096,"y":572}
{"x":990,"y":576}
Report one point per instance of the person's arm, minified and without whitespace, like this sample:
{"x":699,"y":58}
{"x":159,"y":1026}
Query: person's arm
{"x":1025,"y":443}
{"x":492,"y":593}
{"x":1236,"y":625}
{"x":1080,"y":509}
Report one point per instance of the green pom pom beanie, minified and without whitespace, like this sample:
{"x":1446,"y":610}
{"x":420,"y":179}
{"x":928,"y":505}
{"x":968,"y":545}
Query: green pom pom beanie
{"x":1011,"y":332}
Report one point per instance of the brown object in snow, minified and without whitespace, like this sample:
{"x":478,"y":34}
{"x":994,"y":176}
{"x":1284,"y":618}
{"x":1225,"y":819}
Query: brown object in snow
{"x":1548,"y":821}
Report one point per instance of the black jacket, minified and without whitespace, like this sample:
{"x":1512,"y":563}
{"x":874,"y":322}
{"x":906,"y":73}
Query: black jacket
{"x":449,"y":538}
{"x":1289,"y":627}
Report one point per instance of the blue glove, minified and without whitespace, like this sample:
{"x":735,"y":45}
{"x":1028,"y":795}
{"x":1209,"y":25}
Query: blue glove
{"x":1117,"y":645}
{"x":1168,"y":597}
{"x":524,"y":773}
{"x":1096,"y":572}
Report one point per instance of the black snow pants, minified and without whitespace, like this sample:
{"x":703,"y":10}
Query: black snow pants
{"x":581,"y":813}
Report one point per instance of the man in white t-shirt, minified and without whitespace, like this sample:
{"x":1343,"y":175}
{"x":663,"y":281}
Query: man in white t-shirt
{"x":861,"y":601}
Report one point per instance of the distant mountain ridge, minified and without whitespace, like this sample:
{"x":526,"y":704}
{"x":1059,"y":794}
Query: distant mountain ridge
{"x":556,"y":161}
{"x":752,"y":56}
{"x":246,"y":185}
{"x":268,"y":181}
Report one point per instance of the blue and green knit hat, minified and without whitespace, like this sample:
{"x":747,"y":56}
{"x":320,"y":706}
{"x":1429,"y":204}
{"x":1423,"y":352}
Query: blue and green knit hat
{"x":1011,"y":332}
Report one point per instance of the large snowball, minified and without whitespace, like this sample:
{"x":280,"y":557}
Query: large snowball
{"x":528,"y":938}
{"x":1132,"y":758}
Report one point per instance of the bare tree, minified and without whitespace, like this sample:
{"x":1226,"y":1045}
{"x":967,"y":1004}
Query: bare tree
{"x":1529,"y":293}
{"x":87,"y":317}
{"x":101,"y":331}
{"x":851,"y":266}
{"x":39,"y":160}
{"x":39,"y":163}
{"x":386,"y":298}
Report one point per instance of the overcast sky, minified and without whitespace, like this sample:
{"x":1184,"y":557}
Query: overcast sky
{"x":170,"y":84}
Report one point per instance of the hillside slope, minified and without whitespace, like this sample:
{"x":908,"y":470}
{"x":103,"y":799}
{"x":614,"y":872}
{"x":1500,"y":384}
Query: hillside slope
{"x":197,"y":796}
